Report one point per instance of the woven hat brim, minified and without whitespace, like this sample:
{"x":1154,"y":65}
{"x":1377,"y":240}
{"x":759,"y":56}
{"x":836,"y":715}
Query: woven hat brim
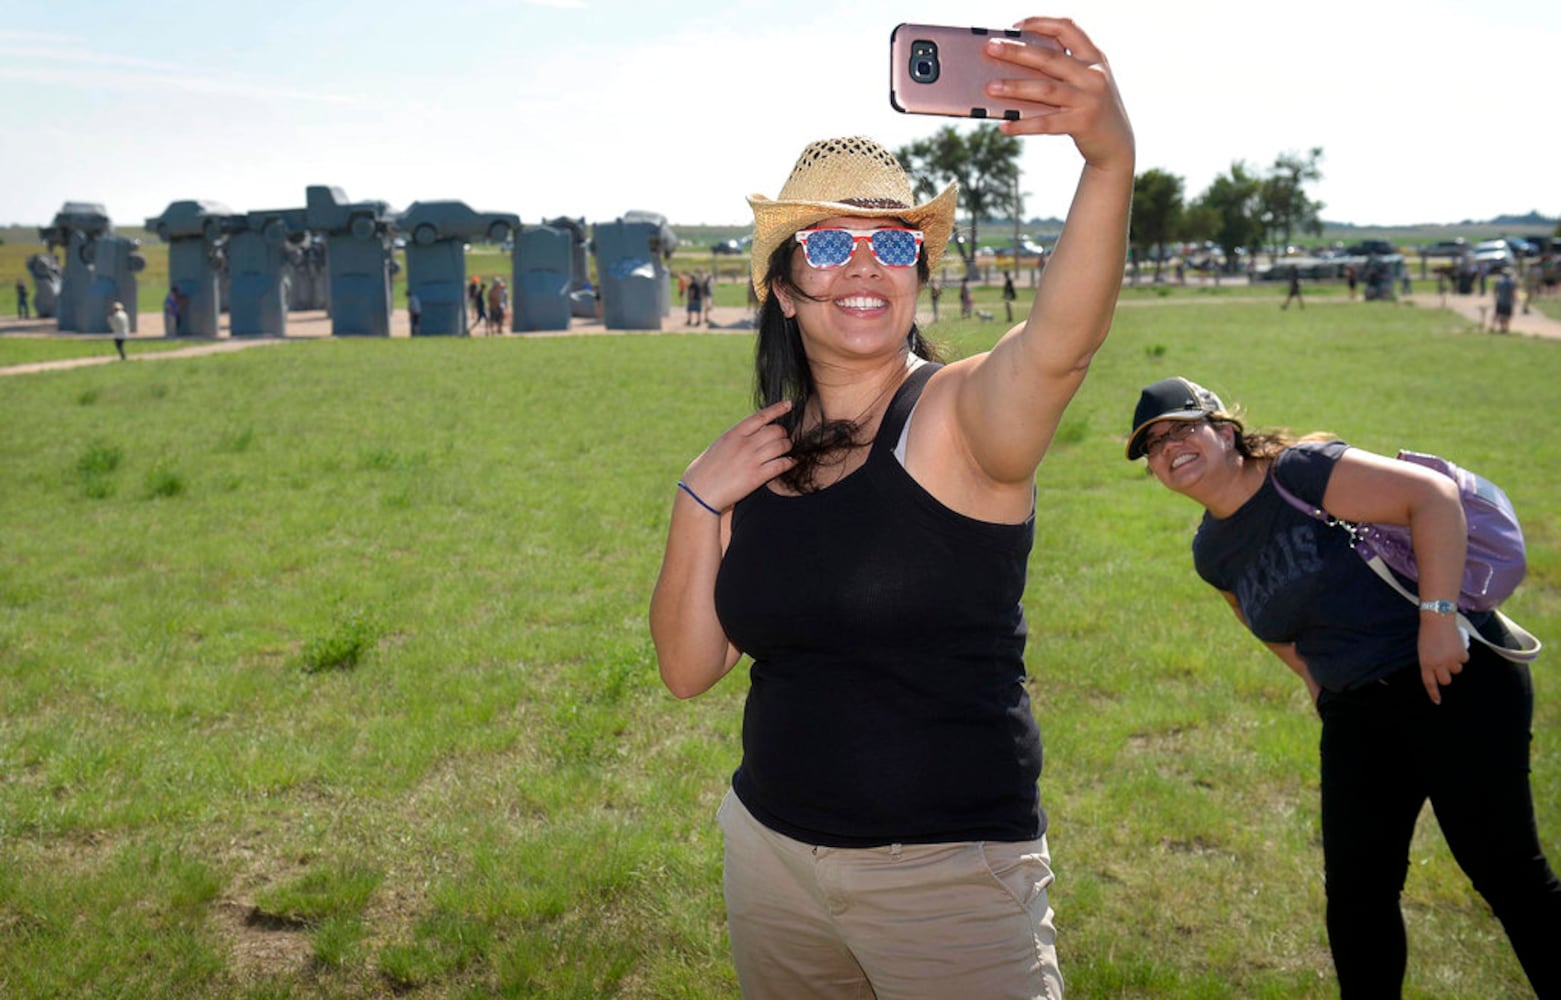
{"x":774,"y":221}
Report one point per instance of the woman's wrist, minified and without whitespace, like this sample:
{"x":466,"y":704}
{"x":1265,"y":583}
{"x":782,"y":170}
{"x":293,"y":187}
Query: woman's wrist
{"x":697,"y":498}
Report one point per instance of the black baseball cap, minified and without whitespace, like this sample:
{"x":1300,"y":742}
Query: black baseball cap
{"x":1174,"y":398}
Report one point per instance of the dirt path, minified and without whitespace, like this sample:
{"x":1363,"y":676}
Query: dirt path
{"x":301,"y":326}
{"x":196,"y":349}
{"x":724,"y":319}
{"x":1481,"y":311}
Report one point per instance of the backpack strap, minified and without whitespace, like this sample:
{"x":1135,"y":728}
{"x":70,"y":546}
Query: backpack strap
{"x":1316,"y":513}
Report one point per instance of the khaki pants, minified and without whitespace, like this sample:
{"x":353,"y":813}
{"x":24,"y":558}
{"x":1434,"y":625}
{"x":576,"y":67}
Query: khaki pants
{"x":967,"y":921}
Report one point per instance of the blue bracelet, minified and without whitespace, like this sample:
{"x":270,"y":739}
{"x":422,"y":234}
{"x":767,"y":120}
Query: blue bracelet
{"x":685,"y":488}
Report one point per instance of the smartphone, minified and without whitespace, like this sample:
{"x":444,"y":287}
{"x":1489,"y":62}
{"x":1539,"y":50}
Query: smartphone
{"x":943,"y":70}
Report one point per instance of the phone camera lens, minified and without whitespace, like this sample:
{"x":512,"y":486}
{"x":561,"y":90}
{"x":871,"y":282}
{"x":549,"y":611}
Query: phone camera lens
{"x":924,"y":61}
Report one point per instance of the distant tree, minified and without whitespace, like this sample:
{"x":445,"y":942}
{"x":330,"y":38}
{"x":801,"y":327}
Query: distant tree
{"x":1199,"y":223}
{"x":985,"y":162}
{"x":1157,"y":213}
{"x":1285,"y":207}
{"x":1233,"y":202}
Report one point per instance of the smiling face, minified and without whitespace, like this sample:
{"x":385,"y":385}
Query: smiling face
{"x":1183,"y":453}
{"x":860,"y":309}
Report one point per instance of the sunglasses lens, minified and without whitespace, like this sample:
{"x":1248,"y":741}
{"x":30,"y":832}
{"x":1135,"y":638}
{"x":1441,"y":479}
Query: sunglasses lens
{"x":895,"y":247}
{"x":828,"y":247}
{"x":833,"y":247}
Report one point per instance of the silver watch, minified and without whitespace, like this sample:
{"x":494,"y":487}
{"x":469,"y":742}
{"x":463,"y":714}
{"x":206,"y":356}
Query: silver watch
{"x":1439,"y":607}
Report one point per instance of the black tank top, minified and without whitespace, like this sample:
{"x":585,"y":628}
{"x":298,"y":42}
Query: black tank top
{"x":886,"y":700}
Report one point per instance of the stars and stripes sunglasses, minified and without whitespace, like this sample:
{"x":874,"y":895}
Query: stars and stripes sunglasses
{"x":826,"y":248}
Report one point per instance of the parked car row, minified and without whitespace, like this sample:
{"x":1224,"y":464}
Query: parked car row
{"x":1505,"y":249}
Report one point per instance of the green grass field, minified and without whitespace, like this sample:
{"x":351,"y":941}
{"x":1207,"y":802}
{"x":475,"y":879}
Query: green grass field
{"x":325,"y":669}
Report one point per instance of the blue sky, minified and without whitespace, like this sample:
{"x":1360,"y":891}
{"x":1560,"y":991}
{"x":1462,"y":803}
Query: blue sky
{"x":1426,"y":112}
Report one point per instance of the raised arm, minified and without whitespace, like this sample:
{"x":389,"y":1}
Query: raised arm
{"x":692,"y":649}
{"x":1010,"y":401}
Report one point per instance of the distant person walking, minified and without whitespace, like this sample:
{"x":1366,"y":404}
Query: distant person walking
{"x":694,"y":296}
{"x":1349,"y":278}
{"x":935,"y":291}
{"x":480,"y":302}
{"x":1506,"y":298}
{"x":119,"y":325}
{"x":966,"y":302}
{"x":21,"y":300}
{"x":171,"y":313}
{"x":1008,"y":295}
{"x":497,"y":300}
{"x":1295,"y":289}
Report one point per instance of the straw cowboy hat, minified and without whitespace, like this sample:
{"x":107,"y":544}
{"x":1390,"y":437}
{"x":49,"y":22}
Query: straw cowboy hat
{"x":852,"y":176}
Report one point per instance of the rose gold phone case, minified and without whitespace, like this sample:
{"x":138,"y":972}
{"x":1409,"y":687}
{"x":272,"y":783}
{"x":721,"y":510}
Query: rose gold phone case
{"x":943,"y":70}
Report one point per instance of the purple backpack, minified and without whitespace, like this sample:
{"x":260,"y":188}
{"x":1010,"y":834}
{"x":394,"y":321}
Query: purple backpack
{"x":1496,"y":560}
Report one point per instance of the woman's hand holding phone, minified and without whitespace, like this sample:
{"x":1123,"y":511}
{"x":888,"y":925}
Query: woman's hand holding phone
{"x":1042,"y":77}
{"x":946,"y":70}
{"x":1069,"y":85}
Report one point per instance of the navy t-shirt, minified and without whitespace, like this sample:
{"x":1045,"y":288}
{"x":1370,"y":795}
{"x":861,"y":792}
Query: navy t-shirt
{"x":1297,"y":580}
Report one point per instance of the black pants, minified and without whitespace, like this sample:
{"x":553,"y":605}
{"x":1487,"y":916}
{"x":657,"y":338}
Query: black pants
{"x":1386,"y":749}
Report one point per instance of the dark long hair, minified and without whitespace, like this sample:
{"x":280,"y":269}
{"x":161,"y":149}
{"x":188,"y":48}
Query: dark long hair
{"x":1265,"y":444}
{"x":781,"y":371}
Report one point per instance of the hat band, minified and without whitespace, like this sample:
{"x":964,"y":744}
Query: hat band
{"x":873,"y":203}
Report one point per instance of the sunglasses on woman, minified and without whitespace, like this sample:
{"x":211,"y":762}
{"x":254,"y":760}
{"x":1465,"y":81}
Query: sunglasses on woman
{"x":826,"y":248}
{"x":1179,"y":430}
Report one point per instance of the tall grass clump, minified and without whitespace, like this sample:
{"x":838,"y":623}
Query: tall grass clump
{"x":95,"y":469}
{"x":163,"y":481}
{"x":100,"y":459}
{"x":344,"y":644}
